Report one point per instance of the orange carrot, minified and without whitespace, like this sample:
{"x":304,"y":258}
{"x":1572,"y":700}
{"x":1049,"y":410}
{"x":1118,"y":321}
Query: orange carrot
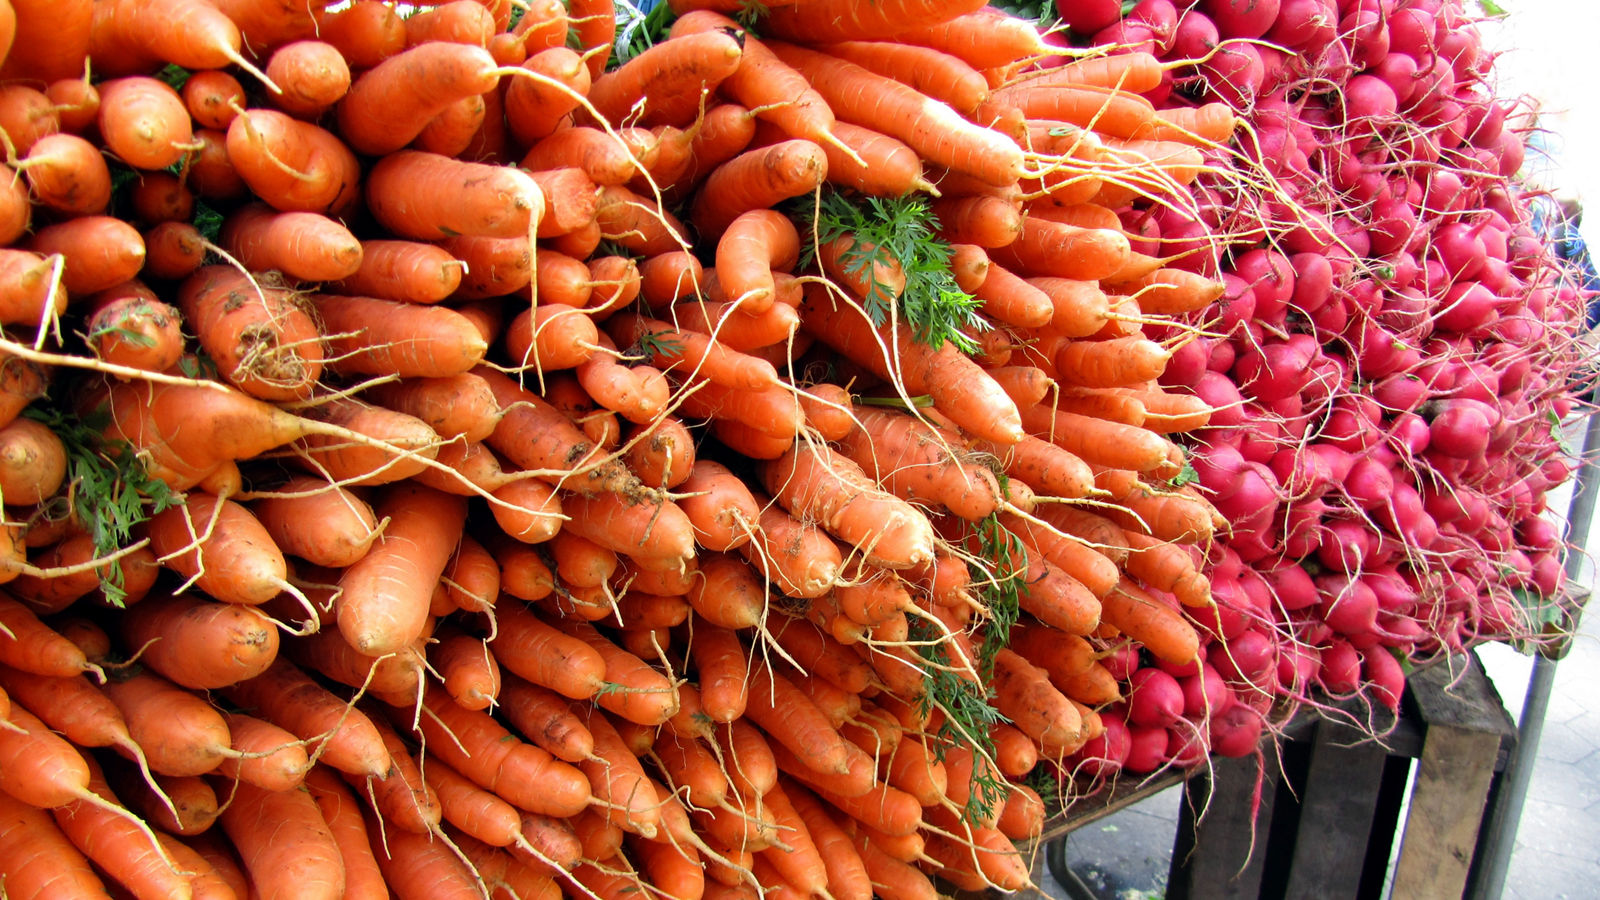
{"x":67,"y":173}
{"x":425,"y":196}
{"x":135,"y":331}
{"x":342,"y":813}
{"x":535,"y":108}
{"x":474,"y":744}
{"x":344,"y":737}
{"x":38,"y":859}
{"x":664,"y":84}
{"x":213,"y":97}
{"x":536,"y":436}
{"x":284,"y":842}
{"x":919,"y":463}
{"x":32,"y":646}
{"x":823,"y":485}
{"x":385,"y":595}
{"x":750,"y":248}
{"x":97,"y":252}
{"x":200,"y":644}
{"x":173,"y":250}
{"x":144,"y":122}
{"x":367,"y":335}
{"x":934,"y":130}
{"x":221,"y":546}
{"x":366,"y":32}
{"x":259,"y":336}
{"x":302,"y":245}
{"x":389,"y":105}
{"x":758,"y":179}
{"x":293,"y":165}
{"x":407,"y":271}
{"x":959,"y":387}
{"x":944,"y":77}
{"x":604,"y":158}
{"x":642,"y":695}
{"x":637,"y":223}
{"x":406,"y":443}
{"x":797,"y":557}
{"x":272,"y":758}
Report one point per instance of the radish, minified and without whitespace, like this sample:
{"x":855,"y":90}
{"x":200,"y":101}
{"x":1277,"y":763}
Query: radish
{"x":1104,"y":755}
{"x":1241,"y":18}
{"x":1147,"y":749}
{"x":1155,"y":699}
{"x":1204,"y":694}
{"x":1237,"y":732}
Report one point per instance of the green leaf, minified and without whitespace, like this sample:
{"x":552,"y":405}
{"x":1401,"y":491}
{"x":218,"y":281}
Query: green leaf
{"x":174,"y":75}
{"x":899,"y":232}
{"x":1491,"y":8}
{"x":109,"y":490}
{"x":1186,"y":475}
{"x":750,"y":14}
{"x":637,"y":33}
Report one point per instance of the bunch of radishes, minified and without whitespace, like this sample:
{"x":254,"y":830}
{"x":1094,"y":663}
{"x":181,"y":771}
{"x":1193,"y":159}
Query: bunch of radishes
{"x":1395,"y":356}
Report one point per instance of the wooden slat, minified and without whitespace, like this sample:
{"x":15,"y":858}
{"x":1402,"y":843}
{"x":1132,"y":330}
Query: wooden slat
{"x":1465,"y":727}
{"x":1337,"y":811}
{"x":1212,"y":859}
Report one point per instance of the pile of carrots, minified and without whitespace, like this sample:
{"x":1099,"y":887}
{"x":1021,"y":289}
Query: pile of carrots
{"x":440,"y":458}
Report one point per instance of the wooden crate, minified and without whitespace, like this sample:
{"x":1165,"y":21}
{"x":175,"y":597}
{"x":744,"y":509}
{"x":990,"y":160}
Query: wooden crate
{"x":1331,"y":806}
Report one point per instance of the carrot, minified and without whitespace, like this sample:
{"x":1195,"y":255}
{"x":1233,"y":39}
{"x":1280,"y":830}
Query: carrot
{"x":959,"y":388}
{"x":97,"y":252}
{"x":33,"y":462}
{"x":285,"y":843}
{"x":200,"y":644}
{"x":385,"y":595}
{"x":67,"y":173}
{"x":639,"y":394}
{"x":302,"y":245}
{"x":536,"y":436}
{"x":723,"y":671}
{"x":342,"y":813}
{"x":669,"y":277}
{"x":934,"y":130}
{"x":1100,"y":442}
{"x":76,"y":102}
{"x":1118,"y":362}
{"x":941,"y":76}
{"x":26,"y":116}
{"x":664,"y":84}
{"x":727,"y":593}
{"x":817,"y":483}
{"x":535,"y":108}
{"x":637,"y":224}
{"x":468,"y":669}
{"x":919,"y":463}
{"x":472,"y":577}
{"x":1047,"y":468}
{"x":1024,"y":694}
{"x":186,"y":805}
{"x":39,"y":860}
{"x":130,"y":37}
{"x":475,"y":745}
{"x":372,"y":336}
{"x":427,"y":196}
{"x":32,"y":646}
{"x":401,"y":796}
{"x":571,"y":197}
{"x":655,"y":532}
{"x":272,"y":758}
{"x":662,"y":453}
{"x":460,"y":21}
{"x":73,"y":707}
{"x":642,"y":694}
{"x":365,"y":33}
{"x":755,"y":180}
{"x":181,"y":733}
{"x":538,"y":652}
{"x":988,"y":222}
{"x":293,"y":165}
{"x":1201,"y":126}
{"x":542,"y":716}
{"x":407,"y":443}
{"x":617,"y":778}
{"x":472,"y":809}
{"x":750,"y":248}
{"x":261,"y":339}
{"x":213,"y":98}
{"x":614,"y":282}
{"x":342,"y":736}
{"x":604,"y":158}
{"x":136,"y":330}
{"x":890,"y":876}
{"x":795,"y":722}
{"x":143,"y":122}
{"x":326,"y":653}
{"x":316,"y":521}
{"x":563,"y":281}
{"x":686,"y":351}
{"x":221,"y":547}
{"x":798,"y":558}
{"x":209,"y":172}
{"x":16,"y":207}
{"x":1026,"y":385}
{"x":388,"y":105}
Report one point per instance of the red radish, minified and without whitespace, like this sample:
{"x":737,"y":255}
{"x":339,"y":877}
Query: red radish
{"x":1155,"y":700}
{"x":1237,"y":732}
{"x":1104,"y":755}
{"x":1204,"y":694}
{"x":1147,"y":749}
{"x":1241,"y":18}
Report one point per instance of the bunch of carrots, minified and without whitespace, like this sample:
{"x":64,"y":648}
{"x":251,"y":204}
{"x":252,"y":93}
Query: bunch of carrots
{"x":441,"y":458}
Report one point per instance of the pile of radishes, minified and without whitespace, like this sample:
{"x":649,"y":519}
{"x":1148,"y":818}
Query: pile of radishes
{"x":1396,"y":353}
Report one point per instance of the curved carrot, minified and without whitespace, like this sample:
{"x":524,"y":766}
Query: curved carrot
{"x":390,"y":104}
{"x":285,"y":843}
